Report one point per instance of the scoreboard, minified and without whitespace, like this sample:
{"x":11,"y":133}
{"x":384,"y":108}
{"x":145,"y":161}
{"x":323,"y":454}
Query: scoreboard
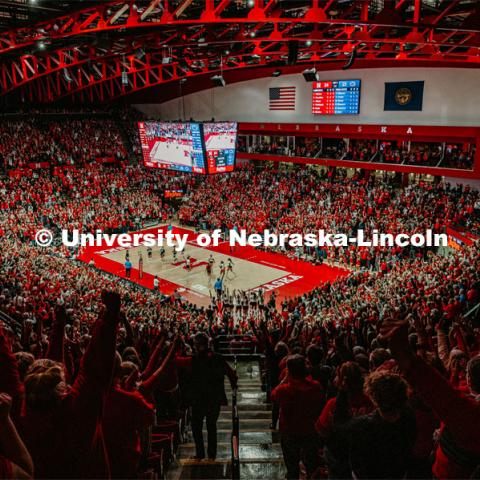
{"x":336,"y":97}
{"x":220,"y":146}
{"x":189,"y":147}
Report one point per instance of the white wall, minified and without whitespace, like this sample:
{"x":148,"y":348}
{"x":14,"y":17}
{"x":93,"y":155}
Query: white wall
{"x":451,"y":97}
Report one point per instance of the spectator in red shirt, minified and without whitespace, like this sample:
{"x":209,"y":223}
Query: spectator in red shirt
{"x":62,"y":424}
{"x":458,"y":450}
{"x":300,"y":401}
{"x":350,"y":402}
{"x":122,"y":432}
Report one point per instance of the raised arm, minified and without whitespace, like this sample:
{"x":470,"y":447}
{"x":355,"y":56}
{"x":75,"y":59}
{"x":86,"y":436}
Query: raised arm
{"x":155,"y":381}
{"x":57,"y":335}
{"x":460,"y":413}
{"x":153,"y":361}
{"x":96,"y":366}
{"x":129,"y":333}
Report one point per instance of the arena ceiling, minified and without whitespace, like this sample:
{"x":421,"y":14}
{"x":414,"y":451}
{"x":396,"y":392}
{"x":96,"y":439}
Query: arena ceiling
{"x":97,"y":51}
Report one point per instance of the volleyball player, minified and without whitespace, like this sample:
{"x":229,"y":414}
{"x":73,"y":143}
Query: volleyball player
{"x":211,"y":260}
{"x":149,"y":252}
{"x":222,"y":268}
{"x":230,"y":265}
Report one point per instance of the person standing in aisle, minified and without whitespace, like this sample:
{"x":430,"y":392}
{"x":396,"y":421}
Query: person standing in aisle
{"x":206,"y":392}
{"x":301,"y":401}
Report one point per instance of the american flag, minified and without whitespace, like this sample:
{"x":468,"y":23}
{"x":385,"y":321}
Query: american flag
{"x":282,"y":98}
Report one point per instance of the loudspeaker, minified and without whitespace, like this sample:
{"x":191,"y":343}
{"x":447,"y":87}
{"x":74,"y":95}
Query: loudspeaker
{"x":292,"y":52}
{"x":310,"y":75}
{"x":218,"y":81}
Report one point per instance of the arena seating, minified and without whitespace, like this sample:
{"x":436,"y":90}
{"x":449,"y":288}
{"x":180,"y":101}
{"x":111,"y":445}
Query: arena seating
{"x":374,"y":150}
{"x":188,"y":189}
{"x":338,"y":325}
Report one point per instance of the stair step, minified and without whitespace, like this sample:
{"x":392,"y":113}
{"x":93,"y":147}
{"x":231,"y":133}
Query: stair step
{"x":248,"y":407}
{"x":260,"y":451}
{"x":247,"y":437}
{"x":248,"y":453}
{"x":269,"y":470}
{"x":247,"y":415}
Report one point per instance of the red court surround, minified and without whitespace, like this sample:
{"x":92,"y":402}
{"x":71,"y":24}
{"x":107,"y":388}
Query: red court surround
{"x":300,"y":277}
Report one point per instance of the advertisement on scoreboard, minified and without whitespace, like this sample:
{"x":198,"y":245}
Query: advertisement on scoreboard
{"x":220,"y":145}
{"x":172,"y":146}
{"x":336,"y":97}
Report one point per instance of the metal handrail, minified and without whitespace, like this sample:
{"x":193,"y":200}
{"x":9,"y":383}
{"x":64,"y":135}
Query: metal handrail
{"x":12,"y":324}
{"x":472,"y":311}
{"x":235,"y":440}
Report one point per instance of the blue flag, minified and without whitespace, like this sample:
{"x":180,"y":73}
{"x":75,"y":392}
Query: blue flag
{"x":404,"y":96}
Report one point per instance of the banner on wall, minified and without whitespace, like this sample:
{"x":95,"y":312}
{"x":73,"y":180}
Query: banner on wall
{"x":458,"y":239}
{"x":404,"y":96}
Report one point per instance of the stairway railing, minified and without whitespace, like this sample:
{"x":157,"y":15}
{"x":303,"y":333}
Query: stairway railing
{"x":235,"y":432}
{"x":11,"y":323}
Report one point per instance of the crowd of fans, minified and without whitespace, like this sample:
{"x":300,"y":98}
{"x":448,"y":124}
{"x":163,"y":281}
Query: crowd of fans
{"x":421,"y":154}
{"x":368,"y":374}
{"x":59,"y":142}
{"x":305,"y":201}
{"x":110,"y":198}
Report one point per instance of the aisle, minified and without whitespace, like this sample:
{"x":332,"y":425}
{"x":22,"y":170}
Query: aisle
{"x":260,"y":451}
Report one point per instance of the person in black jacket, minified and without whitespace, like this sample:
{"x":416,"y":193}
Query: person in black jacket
{"x":380,"y":444}
{"x":207,"y":393}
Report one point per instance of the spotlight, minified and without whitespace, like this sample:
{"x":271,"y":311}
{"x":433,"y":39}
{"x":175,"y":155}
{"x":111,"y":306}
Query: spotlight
{"x":218,"y":81}
{"x":252,"y":34}
{"x":308,"y":43}
{"x":251,"y":3}
{"x":310,"y":75}
{"x":41,"y":45}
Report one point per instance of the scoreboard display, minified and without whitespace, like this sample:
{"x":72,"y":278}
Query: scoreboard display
{"x":336,"y":97}
{"x":204,"y":148}
{"x":220,"y":145}
{"x":173,"y":146}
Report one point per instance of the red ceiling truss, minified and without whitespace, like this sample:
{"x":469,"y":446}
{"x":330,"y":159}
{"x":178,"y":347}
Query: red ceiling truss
{"x":121,"y":47}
